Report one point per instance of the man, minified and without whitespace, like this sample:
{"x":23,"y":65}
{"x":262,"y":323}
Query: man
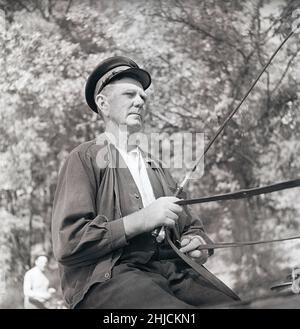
{"x":110,"y":197}
{"x":36,"y":285}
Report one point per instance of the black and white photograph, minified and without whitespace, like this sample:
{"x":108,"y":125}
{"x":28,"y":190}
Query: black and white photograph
{"x":149,"y":157}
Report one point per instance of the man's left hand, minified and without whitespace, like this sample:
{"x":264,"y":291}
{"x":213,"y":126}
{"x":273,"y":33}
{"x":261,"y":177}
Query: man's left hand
{"x":190,"y":244}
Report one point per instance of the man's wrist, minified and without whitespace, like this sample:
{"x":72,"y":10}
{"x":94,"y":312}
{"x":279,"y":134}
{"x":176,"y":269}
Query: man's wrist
{"x":133,"y":224}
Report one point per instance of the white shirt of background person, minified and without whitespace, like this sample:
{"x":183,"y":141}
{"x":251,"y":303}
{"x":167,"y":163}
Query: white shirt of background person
{"x":36,"y":284}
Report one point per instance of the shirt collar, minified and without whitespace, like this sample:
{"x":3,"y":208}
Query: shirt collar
{"x":147,"y":157}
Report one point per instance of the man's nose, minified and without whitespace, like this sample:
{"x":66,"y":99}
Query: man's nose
{"x":138,"y":101}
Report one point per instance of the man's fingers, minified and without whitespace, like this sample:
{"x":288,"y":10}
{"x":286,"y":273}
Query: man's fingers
{"x":171,"y":215}
{"x":185,"y":241}
{"x":170,"y":223}
{"x":200,"y":255}
{"x":199,"y":238}
{"x":176,"y":208}
{"x":194,"y":244}
{"x":202,"y":259}
{"x":195,"y":253}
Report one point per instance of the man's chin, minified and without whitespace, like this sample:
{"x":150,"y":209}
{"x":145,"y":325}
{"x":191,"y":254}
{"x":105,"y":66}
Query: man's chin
{"x":134,"y":125}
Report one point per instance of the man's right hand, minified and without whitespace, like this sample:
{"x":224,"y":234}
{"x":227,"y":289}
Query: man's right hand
{"x":162,"y":212}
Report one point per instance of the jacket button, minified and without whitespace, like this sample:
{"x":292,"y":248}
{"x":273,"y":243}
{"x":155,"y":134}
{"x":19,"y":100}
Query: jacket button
{"x":107,"y":275}
{"x":136,"y":196}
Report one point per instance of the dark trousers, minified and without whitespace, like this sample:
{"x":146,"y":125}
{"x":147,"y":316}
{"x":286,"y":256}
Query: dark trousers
{"x":162,"y":284}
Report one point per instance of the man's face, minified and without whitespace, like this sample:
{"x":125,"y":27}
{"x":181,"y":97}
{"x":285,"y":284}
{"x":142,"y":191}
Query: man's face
{"x":125,"y":102}
{"x":41,"y":263}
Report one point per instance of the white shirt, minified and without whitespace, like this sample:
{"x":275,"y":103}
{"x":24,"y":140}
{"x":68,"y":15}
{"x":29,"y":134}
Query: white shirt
{"x":137,"y":167}
{"x":35,"y":285}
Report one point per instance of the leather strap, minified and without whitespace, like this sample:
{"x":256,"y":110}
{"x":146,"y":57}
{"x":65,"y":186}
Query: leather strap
{"x":200,"y":269}
{"x":244,"y":193}
{"x":213,"y":280}
{"x":241,"y":244}
{"x":218,"y":284}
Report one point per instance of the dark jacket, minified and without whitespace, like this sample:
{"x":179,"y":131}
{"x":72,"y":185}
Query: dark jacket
{"x":87,"y":225}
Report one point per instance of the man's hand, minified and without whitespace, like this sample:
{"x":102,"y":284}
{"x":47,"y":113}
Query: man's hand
{"x":189,"y":245}
{"x":162,"y":212}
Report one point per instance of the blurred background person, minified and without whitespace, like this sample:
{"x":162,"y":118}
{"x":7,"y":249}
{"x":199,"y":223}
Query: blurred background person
{"x":36,"y":286}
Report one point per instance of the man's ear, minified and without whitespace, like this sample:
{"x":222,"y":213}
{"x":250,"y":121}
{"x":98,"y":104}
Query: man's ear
{"x":102,"y":104}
